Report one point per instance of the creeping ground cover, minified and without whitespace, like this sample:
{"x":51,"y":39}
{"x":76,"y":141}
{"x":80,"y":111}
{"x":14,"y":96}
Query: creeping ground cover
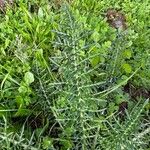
{"x":74,"y":75}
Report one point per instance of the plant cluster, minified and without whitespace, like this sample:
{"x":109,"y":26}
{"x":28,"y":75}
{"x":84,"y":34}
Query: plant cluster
{"x":70,"y":79}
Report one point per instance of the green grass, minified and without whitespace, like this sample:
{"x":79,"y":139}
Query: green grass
{"x":66,"y":76}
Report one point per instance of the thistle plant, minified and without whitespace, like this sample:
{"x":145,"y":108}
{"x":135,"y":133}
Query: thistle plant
{"x":63,"y":73}
{"x":75,"y":105}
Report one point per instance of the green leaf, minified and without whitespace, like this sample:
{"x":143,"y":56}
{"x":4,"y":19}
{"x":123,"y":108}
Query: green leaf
{"x":19,"y":100}
{"x":29,"y":77}
{"x":40,"y":57}
{"x":95,"y":50}
{"x":95,"y":61}
{"x":127,"y":53}
{"x":107,"y":44}
{"x":67,"y":144}
{"x":23,"y":100}
{"x":112,"y":107}
{"x":47,"y":143}
{"x":40,"y":13}
{"x":96,"y":36}
{"x":7,"y":42}
{"x":127,"y":68}
{"x":27,"y":100}
{"x":22,"y":89}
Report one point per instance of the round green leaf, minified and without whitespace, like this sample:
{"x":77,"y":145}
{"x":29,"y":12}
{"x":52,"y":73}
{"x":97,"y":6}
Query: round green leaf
{"x":29,"y":77}
{"x":127,"y":68}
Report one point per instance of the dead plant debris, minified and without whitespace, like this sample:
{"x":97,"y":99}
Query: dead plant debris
{"x":116,"y":19}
